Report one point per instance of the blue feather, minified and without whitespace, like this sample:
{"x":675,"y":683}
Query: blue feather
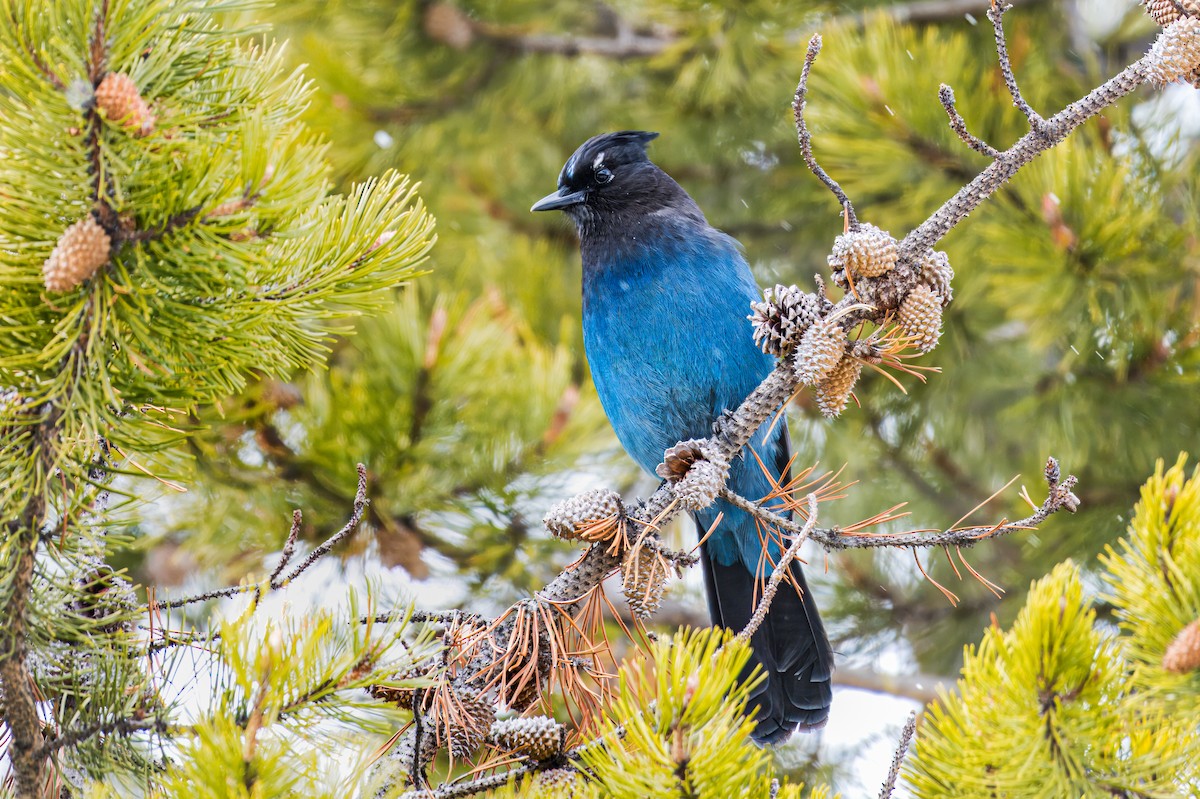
{"x":664,"y":376}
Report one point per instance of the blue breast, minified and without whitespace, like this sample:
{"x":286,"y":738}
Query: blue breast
{"x":670,"y":348}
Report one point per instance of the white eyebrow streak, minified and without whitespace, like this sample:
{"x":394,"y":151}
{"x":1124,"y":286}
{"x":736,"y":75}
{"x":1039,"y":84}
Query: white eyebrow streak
{"x":599,"y":160}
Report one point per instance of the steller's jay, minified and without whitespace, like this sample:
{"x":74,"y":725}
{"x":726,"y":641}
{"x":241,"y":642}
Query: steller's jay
{"x":665,"y":301}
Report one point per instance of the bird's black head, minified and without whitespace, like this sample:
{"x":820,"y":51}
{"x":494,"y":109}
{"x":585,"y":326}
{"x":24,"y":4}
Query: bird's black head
{"x":611,"y":179}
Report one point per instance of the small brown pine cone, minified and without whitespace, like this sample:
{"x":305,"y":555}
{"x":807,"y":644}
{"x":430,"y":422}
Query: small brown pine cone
{"x":474,"y":720}
{"x":1183,"y":653}
{"x":558,"y":782}
{"x":525,"y":698}
{"x":679,"y":459}
{"x":920,"y":316}
{"x":936,"y":273}
{"x":643,"y":582}
{"x":536,"y":737}
{"x":400,"y":697}
{"x":1164,"y":12}
{"x":821,"y":349}
{"x":865,"y":251}
{"x":81,"y":250}
{"x":834,"y":391}
{"x":570,"y":517}
{"x":781,"y":318}
{"x":117,"y":96}
{"x":1175,"y":53}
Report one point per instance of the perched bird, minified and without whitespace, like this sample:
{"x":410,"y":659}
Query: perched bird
{"x":665,"y":301}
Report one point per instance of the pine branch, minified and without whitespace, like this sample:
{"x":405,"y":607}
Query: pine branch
{"x":360,"y":505}
{"x":277,"y":581}
{"x":906,"y":736}
{"x":73,"y":737}
{"x":799,"y":102}
{"x":1042,"y":136}
{"x":1061,"y":496}
{"x":922,"y":688}
{"x":20,"y":709}
{"x":780,"y":572}
{"x":959,"y":125}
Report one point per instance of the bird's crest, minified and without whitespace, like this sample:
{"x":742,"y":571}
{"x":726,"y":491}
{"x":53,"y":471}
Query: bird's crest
{"x":607,"y":149}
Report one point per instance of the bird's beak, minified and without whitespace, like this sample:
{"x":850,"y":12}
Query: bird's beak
{"x":559,"y":200}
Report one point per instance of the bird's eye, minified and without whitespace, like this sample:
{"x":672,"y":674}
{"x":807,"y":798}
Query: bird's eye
{"x":604,"y":175}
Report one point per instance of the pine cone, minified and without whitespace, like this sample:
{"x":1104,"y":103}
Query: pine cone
{"x":400,"y":697}
{"x":536,"y":737}
{"x":936,"y":273}
{"x":678,"y":459}
{"x":834,"y":391}
{"x":1164,"y":12}
{"x":820,"y":350}
{"x":570,"y":517}
{"x":781,"y":318}
{"x":557,"y":782}
{"x":81,"y":250}
{"x":920,"y":315}
{"x":1183,"y":653}
{"x":117,"y":96}
{"x":700,"y":486}
{"x":105,"y":596}
{"x":1175,"y":53}
{"x":643,"y":582}
{"x":865,"y":251}
{"x":471,"y":723}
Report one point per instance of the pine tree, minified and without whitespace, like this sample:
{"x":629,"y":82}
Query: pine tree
{"x":1059,"y":705}
{"x":167,"y":230}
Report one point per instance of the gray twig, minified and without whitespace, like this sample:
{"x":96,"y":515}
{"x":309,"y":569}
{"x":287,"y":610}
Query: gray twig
{"x":906,"y":735}
{"x":959,"y":125}
{"x":289,"y":548}
{"x":360,"y":505}
{"x":780,"y":572}
{"x":805,"y":138}
{"x":78,"y":735}
{"x":276,"y":582}
{"x":1061,"y":497}
{"x":996,"y":15}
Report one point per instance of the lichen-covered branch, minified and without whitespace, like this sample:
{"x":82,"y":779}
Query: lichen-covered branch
{"x":959,"y":125}
{"x":20,"y":709}
{"x":906,"y":736}
{"x":278,"y":579}
{"x":1006,"y":164}
{"x":798,"y":104}
{"x":780,"y":571}
{"x":1061,"y":497}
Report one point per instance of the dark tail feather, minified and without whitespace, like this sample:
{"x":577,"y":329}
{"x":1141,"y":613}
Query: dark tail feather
{"x":791,"y":645}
